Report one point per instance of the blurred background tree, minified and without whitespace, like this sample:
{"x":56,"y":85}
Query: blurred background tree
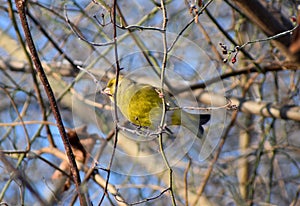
{"x":246,"y":51}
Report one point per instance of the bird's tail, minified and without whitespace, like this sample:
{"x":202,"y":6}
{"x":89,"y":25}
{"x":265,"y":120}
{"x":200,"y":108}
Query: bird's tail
{"x":192,"y":122}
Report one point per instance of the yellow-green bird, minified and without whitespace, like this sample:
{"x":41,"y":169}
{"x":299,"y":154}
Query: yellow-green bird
{"x":141,"y":104}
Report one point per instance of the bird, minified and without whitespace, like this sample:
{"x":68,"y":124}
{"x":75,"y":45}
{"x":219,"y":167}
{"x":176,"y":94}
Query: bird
{"x":142,"y":105}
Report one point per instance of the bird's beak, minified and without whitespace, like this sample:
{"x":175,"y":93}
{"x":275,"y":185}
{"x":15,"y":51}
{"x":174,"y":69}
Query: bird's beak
{"x":107,"y":91}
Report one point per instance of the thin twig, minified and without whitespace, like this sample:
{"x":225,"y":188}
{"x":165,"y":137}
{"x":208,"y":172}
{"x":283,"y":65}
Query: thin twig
{"x":20,"y":118}
{"x":164,"y":108}
{"x":114,"y":10}
{"x":228,"y":106}
{"x":185,"y":175}
{"x":269,"y":38}
{"x":12,"y":124}
{"x":146,"y":199}
{"x":188,"y":25}
{"x":80,"y":36}
{"x":140,"y":28}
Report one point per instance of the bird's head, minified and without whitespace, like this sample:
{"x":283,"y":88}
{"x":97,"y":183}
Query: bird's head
{"x":110,"y":87}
